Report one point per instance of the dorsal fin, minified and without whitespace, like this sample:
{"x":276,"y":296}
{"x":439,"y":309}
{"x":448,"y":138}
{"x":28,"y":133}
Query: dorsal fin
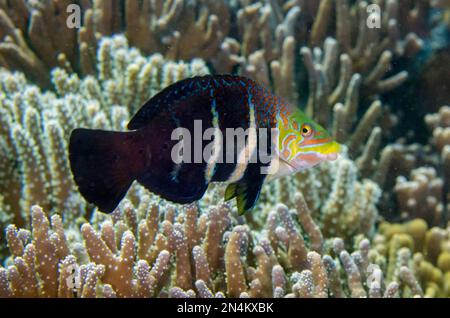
{"x":190,"y":87}
{"x":162,"y":99}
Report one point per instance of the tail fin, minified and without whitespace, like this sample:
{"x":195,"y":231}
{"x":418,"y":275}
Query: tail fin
{"x":105,"y":164}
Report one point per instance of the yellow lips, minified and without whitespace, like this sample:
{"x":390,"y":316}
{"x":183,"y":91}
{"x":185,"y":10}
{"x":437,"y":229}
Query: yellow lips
{"x":323,"y":148}
{"x":330,"y":148}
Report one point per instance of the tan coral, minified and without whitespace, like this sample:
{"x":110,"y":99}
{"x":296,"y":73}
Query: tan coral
{"x":125,"y":271}
{"x":168,"y":28}
{"x":422,"y":196}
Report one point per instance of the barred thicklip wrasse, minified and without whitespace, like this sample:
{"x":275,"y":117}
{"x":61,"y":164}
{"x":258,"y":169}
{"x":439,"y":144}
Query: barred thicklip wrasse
{"x":105,"y":163}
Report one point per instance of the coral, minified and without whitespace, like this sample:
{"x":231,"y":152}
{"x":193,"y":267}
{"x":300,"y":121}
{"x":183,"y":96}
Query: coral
{"x":36,"y":124}
{"x":422,"y":188}
{"x":151,"y":249}
{"x":422,"y":195}
{"x":439,"y":125}
{"x":174,"y":28}
{"x":339,"y":66}
{"x":345,"y":71}
{"x":46,"y":179}
{"x":340,"y":203}
{"x":354,"y":48}
{"x":427,"y":249}
{"x":333,"y":239}
{"x":363,"y":50}
{"x":262,"y":44}
{"x":31,"y":45}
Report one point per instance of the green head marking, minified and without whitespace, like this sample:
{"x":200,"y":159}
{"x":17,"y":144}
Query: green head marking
{"x":303,"y":143}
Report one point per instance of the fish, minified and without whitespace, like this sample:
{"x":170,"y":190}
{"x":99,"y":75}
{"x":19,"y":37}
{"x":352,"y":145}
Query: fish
{"x":104,"y":164}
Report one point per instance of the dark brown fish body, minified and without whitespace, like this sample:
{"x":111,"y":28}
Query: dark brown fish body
{"x":105,"y":164}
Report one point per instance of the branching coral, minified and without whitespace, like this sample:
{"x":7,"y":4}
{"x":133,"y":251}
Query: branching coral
{"x":30,"y":43}
{"x":329,"y":246}
{"x":422,"y":187}
{"x":35,"y":37}
{"x":100,"y":103}
{"x":355,"y":47}
{"x":422,"y":196}
{"x":365,"y":50}
{"x":426,"y":249}
{"x":151,"y":250}
{"x":340,"y":204}
{"x":36,"y":125}
{"x":356,"y":62}
{"x":263,"y":43}
{"x":340,"y":65}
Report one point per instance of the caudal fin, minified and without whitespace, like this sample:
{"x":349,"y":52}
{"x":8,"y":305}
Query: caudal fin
{"x":105,"y":164}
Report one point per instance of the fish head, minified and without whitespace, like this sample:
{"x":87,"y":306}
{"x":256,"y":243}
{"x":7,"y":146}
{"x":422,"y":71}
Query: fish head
{"x":303,"y":143}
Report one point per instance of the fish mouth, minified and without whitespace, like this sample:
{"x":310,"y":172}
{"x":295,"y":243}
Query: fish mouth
{"x":325,"y":152}
{"x":330,"y":157}
{"x":329,"y":151}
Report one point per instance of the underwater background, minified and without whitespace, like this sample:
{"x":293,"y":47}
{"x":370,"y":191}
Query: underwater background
{"x":374,"y":223}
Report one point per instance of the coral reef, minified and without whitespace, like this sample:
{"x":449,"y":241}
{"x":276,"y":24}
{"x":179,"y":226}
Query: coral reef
{"x":150,"y":250}
{"x":263,"y":42}
{"x":341,"y":204}
{"x":36,"y":124}
{"x":342,"y":57}
{"x":422,"y":195}
{"x":371,"y":224}
{"x":422,"y":186}
{"x":31,"y":45}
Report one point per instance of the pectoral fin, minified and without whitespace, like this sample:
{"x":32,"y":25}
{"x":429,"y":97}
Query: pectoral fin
{"x":230,"y":191}
{"x":247,"y":190}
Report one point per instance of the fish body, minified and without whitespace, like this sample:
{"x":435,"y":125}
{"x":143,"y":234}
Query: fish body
{"x":105,"y":163}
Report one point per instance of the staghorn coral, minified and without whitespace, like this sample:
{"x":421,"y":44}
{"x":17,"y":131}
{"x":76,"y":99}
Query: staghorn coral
{"x":421,"y":187}
{"x":36,"y":124}
{"x":329,"y":58}
{"x":340,"y":203}
{"x":263,"y":44}
{"x":346,"y":71}
{"x":52,"y":116}
{"x":369,"y":53}
{"x":340,"y":65}
{"x":330,"y":246}
{"x":30,"y":44}
{"x":422,"y":195}
{"x":49,"y":117}
{"x":154,"y":250}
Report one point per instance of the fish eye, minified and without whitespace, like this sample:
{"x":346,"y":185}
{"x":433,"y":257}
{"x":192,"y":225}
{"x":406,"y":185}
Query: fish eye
{"x":306,"y":130}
